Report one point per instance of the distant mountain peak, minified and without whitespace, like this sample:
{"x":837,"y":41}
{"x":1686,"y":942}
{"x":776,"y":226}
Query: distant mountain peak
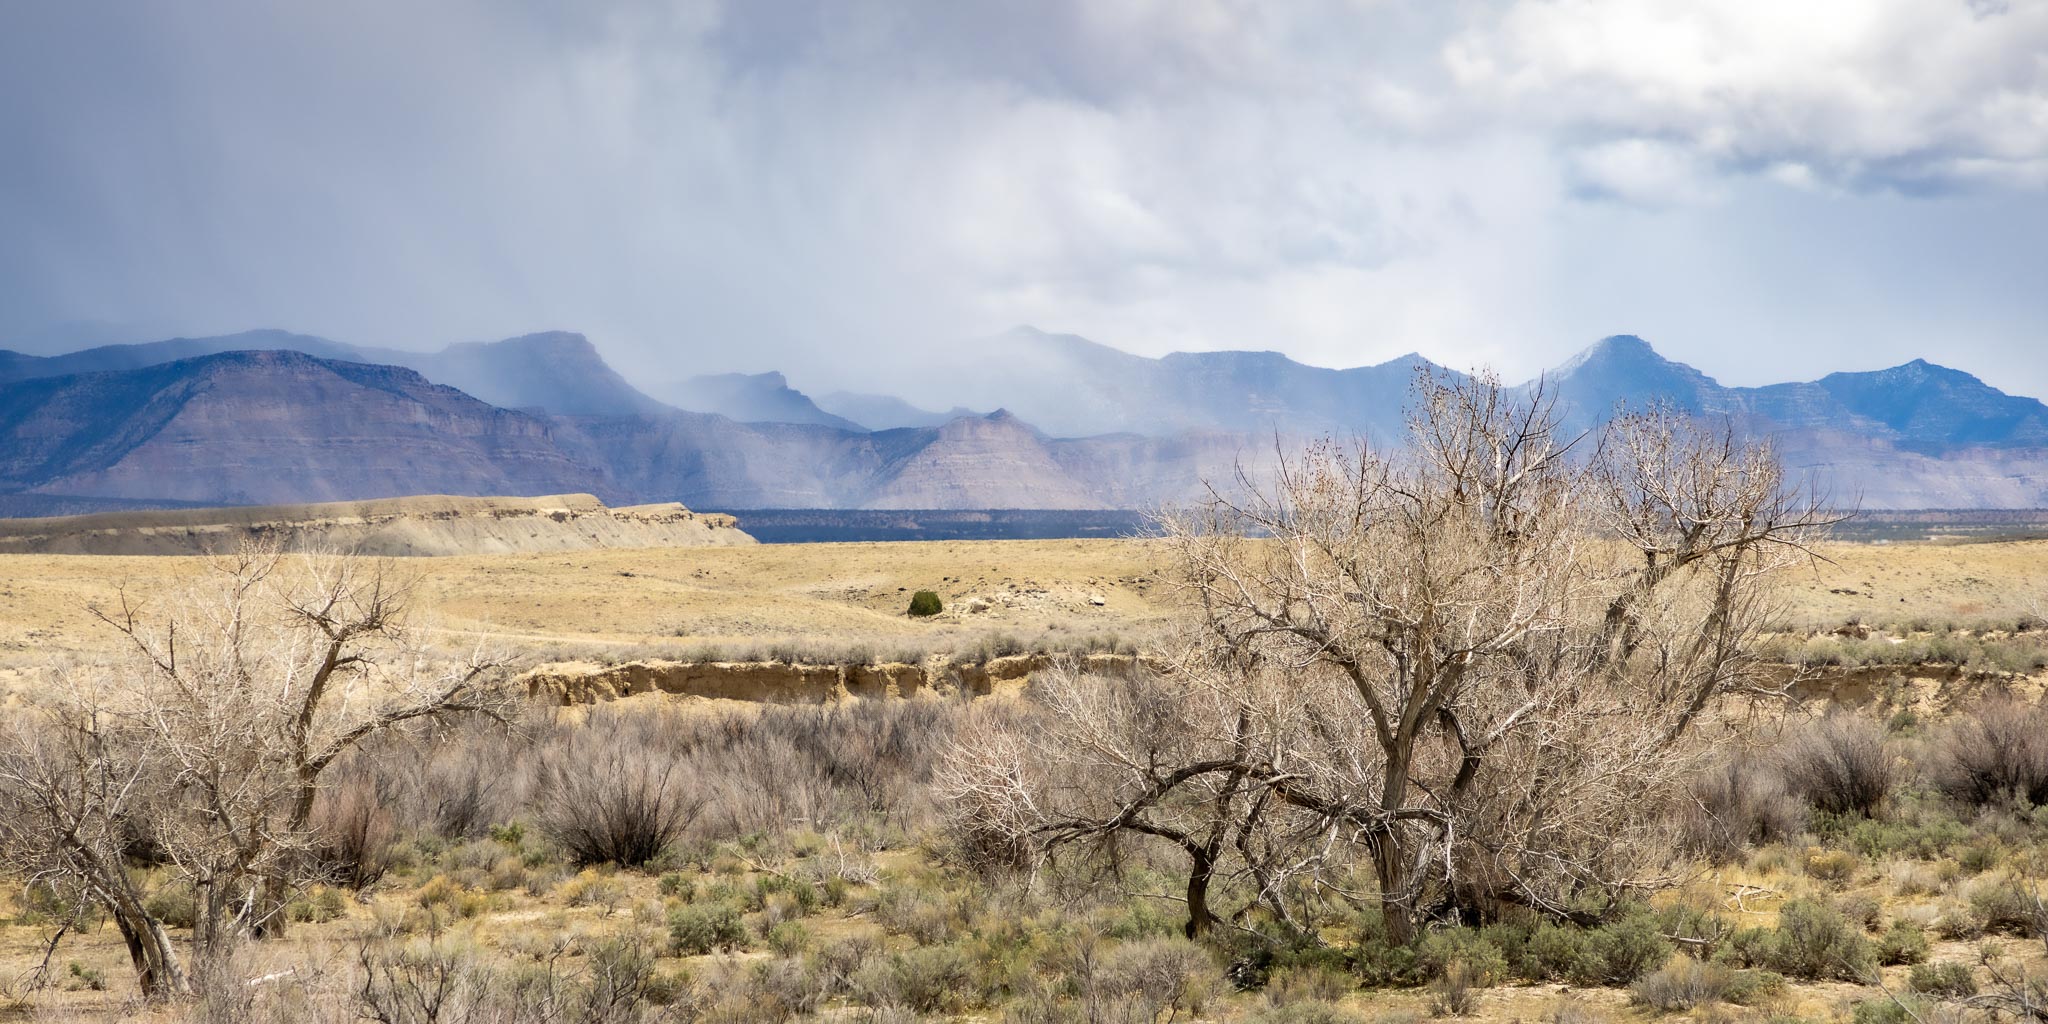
{"x":885,"y":412}
{"x":550,"y":339}
{"x":1614,"y":349}
{"x":752,"y":398}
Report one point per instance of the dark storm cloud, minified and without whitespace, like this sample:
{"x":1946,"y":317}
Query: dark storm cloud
{"x":833,"y":188}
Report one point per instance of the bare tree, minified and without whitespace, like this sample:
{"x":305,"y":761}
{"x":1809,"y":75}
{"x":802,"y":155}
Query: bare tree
{"x":206,"y":740}
{"x":1476,"y":660}
{"x":1106,"y":758}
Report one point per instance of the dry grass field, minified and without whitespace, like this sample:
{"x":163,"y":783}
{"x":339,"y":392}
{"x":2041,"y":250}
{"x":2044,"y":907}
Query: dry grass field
{"x":829,"y":594}
{"x":818,"y":593}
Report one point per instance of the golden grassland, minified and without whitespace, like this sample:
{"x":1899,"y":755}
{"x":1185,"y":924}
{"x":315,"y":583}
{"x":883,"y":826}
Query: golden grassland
{"x":856,"y":593}
{"x":822,"y":593}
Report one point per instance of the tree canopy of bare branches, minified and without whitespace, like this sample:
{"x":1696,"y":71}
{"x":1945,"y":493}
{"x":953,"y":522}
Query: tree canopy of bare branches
{"x":202,"y":746}
{"x":1473,"y":662}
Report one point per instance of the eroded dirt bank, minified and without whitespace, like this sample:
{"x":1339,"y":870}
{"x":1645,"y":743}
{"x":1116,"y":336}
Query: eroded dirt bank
{"x":782,"y":683}
{"x":1931,"y":688}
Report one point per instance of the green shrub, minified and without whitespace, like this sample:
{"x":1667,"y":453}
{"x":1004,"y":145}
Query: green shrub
{"x":1750,"y":947}
{"x":1619,"y":953}
{"x":927,"y":979}
{"x":1698,"y":929}
{"x":834,"y":890}
{"x":1902,"y":944}
{"x":1958,"y":921}
{"x":665,"y":989}
{"x":674,"y":886}
{"x":926,"y":916}
{"x":1933,"y":835}
{"x":1552,"y":953}
{"x":1682,"y":984}
{"x":1748,"y":988}
{"x":1439,"y":951}
{"x":925,"y":603}
{"x":788,"y":938}
{"x":1835,"y":867}
{"x":2007,"y":907}
{"x":1948,"y":979}
{"x":1814,"y":941}
{"x":1382,"y":964}
{"x":1980,"y":856}
{"x":317,"y":905}
{"x":804,"y":898}
{"x":697,"y":929}
{"x":176,"y":905}
{"x":1862,"y":910}
{"x":1885,"y":1010}
{"x":91,"y":978}
{"x":1139,"y":918}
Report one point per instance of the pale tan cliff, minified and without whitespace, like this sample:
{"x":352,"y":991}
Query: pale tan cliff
{"x":422,"y":525}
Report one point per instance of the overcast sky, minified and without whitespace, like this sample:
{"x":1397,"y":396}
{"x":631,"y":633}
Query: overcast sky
{"x":1767,"y":190}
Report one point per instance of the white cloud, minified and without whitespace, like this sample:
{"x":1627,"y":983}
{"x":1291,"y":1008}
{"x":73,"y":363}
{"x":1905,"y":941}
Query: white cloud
{"x":1909,"y":94}
{"x":1645,"y":172}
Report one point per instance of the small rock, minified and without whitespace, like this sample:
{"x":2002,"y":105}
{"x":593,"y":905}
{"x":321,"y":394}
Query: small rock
{"x":1097,"y":600}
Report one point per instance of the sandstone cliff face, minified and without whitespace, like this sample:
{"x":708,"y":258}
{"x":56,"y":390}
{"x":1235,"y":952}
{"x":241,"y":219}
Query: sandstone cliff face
{"x":558,"y":371}
{"x":993,"y":461}
{"x":270,"y":428}
{"x":395,"y":527}
{"x":714,"y":462}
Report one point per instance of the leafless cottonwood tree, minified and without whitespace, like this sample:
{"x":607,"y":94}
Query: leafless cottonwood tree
{"x":204,"y":742}
{"x":1476,"y":660}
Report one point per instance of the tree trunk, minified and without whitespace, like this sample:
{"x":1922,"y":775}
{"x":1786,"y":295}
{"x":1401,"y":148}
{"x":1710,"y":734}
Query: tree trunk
{"x":157,"y":969}
{"x":1200,"y":918}
{"x":1390,"y":864}
{"x":267,"y":918}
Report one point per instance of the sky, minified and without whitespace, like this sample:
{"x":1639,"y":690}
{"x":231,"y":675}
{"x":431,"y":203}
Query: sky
{"x":839,"y":189}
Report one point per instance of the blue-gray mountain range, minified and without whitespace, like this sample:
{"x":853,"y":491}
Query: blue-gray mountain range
{"x":274,"y":417}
